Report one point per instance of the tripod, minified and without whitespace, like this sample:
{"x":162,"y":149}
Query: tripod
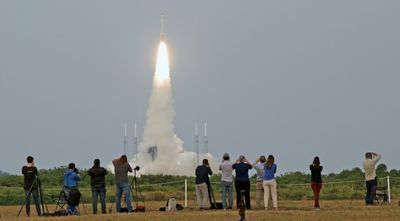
{"x":137,"y":192}
{"x":36,"y":182}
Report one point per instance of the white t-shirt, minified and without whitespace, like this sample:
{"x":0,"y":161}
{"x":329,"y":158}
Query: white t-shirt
{"x":369,"y":167}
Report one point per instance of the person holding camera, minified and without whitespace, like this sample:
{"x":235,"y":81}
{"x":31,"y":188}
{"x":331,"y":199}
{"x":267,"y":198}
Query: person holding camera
{"x":370,"y":176}
{"x":71,"y":178}
{"x":259,"y":167}
{"x":202,"y":172}
{"x":121,"y":169}
{"x":98,"y":185}
{"x":316,"y":180}
{"x":269,"y":182}
{"x":226,"y":181}
{"x":30,"y":173}
{"x":242,"y":181}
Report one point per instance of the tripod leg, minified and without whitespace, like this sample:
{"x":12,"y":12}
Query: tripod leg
{"x":22,"y":206}
{"x":26,"y":196}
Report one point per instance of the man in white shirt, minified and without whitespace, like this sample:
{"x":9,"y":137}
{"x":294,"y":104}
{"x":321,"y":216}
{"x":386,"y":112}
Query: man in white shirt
{"x":370,"y":176}
{"x":226,"y":182}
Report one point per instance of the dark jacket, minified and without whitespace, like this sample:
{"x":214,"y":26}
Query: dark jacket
{"x":30,"y":174}
{"x":316,"y":173}
{"x":202,"y":173}
{"x":97,"y":175}
{"x":242,"y":172}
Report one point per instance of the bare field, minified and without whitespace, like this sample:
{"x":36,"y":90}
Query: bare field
{"x":288,"y":210}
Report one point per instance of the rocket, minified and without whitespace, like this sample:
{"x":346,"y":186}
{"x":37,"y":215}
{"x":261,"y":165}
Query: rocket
{"x":162,"y":28}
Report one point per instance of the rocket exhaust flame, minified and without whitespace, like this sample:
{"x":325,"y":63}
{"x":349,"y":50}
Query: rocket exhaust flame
{"x":162,"y":66}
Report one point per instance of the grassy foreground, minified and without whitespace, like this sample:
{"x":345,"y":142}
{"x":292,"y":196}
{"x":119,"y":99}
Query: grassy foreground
{"x":288,"y":210}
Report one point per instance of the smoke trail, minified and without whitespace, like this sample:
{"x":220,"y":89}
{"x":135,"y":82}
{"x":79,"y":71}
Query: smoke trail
{"x":161,"y":151}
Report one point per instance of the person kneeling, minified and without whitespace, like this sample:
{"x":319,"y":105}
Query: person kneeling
{"x":71,"y":177}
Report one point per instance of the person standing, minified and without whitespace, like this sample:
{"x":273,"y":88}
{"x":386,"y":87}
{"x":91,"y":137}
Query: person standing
{"x":259,"y":167}
{"x":269,"y":182}
{"x":370,"y":176}
{"x":98,"y":185}
{"x":202,"y":172}
{"x":31,"y":186}
{"x":121,"y":169}
{"x":226,"y":181}
{"x":71,"y":178}
{"x":242,"y":181}
{"x":316,"y":180}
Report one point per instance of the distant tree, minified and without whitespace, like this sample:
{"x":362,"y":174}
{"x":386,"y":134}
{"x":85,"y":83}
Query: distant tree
{"x":2,"y":173}
{"x":381,"y":170}
{"x":394,"y":173}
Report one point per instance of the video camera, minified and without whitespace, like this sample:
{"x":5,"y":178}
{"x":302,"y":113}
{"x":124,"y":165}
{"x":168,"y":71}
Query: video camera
{"x":137,"y":168}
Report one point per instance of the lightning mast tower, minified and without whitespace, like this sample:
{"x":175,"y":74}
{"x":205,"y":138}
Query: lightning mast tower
{"x":205,"y":141}
{"x":196,"y":145}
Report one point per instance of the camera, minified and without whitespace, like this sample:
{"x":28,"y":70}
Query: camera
{"x":137,"y":168}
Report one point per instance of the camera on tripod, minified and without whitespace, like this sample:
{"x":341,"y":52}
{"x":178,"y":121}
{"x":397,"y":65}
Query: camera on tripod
{"x":137,"y":168}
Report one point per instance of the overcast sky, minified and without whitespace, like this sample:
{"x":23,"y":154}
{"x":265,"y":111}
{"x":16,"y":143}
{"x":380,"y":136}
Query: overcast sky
{"x":294,"y":79}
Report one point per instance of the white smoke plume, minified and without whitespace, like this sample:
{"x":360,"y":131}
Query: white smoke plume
{"x":161,"y":151}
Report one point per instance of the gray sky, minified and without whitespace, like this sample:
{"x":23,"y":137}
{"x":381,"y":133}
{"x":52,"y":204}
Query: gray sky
{"x":290,"y":78}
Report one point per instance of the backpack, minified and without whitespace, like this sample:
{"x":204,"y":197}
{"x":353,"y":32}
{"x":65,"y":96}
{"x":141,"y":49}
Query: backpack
{"x":74,"y":197}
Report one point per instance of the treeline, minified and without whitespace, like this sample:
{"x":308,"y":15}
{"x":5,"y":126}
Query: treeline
{"x":348,"y":184}
{"x":2,"y":173}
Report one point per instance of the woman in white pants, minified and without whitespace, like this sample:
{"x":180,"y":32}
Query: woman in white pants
{"x":269,"y":183}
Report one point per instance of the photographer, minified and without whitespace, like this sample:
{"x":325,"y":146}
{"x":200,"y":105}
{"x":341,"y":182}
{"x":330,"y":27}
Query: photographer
{"x":259,"y":167}
{"x":121,"y":169}
{"x":226,"y":181}
{"x":370,"y":176}
{"x":202,"y":172}
{"x":316,"y":180}
{"x":71,"y":177}
{"x":98,"y":185}
{"x":269,"y":182}
{"x":242,"y":181}
{"x":30,"y":173}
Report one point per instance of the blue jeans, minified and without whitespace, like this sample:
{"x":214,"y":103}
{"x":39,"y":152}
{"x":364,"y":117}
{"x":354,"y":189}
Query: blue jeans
{"x":96,"y":192}
{"x":126,"y":189}
{"x":226,"y":188}
{"x":35,"y":195}
{"x":371,"y":190}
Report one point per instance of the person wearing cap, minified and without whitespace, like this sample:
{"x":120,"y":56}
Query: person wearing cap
{"x":259,"y":167}
{"x":226,"y":181}
{"x":98,"y":185}
{"x":202,"y":172}
{"x":242,"y":181}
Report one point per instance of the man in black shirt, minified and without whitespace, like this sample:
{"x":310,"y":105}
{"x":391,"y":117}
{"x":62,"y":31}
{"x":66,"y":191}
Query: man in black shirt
{"x":98,"y":184}
{"x":30,"y":173}
{"x":202,"y":173}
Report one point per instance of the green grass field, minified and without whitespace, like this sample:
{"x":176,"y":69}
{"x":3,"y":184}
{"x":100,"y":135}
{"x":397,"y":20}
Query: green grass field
{"x":288,"y":210}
